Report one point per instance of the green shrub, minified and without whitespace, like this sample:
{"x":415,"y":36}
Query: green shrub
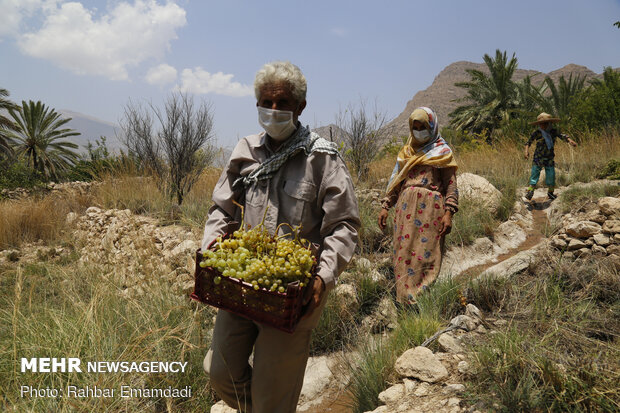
{"x":18,"y":175}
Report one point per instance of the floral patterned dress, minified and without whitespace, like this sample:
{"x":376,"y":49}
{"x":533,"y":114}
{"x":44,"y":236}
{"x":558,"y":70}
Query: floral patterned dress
{"x":420,"y":202}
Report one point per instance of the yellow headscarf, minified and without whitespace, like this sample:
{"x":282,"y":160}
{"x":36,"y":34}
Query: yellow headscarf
{"x":435,"y":152}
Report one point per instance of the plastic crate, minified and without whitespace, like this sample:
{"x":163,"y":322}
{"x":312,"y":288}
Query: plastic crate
{"x":278,"y":310}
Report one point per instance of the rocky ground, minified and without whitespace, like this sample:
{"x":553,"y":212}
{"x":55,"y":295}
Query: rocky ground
{"x":133,"y":247}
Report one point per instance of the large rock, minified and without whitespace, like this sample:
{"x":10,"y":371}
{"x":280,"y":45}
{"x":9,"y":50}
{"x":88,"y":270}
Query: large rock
{"x":609,"y":206}
{"x":612,"y":226}
{"x":576,"y":244}
{"x":602,"y":240}
{"x":478,"y":188}
{"x":421,"y":364}
{"x":450,"y":344}
{"x":583,"y":229}
{"x":392,"y":394}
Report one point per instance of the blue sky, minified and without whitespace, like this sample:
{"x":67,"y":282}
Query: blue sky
{"x":93,"y":56}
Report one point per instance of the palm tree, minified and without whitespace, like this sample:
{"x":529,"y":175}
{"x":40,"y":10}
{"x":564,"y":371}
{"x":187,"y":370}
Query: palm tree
{"x":38,"y":138}
{"x":559,"y":100}
{"x":5,"y":123}
{"x":491,"y":98}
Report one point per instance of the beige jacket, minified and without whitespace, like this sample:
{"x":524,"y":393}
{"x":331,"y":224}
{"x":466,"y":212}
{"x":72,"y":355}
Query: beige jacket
{"x":315,"y":191}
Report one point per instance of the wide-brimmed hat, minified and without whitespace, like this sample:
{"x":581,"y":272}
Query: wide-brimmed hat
{"x":544,"y":118}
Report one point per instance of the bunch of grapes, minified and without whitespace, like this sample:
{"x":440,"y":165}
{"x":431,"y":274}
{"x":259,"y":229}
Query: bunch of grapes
{"x":265,"y":261}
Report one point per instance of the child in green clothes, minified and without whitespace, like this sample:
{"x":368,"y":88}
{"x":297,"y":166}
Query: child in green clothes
{"x":544,"y":155}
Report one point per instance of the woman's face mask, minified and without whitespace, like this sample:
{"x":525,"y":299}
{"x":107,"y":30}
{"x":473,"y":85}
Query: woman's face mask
{"x":277,"y":123}
{"x":421,"y":136}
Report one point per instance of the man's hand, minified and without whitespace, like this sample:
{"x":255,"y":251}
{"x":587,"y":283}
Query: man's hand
{"x":383,"y":215}
{"x":445,"y":226}
{"x":526,"y":153}
{"x":572,"y":142}
{"x":314,"y":295}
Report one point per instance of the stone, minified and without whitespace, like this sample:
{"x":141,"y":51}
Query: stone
{"x":186,"y":247}
{"x":420,"y":363}
{"x":602,"y":240}
{"x":576,"y":244}
{"x":589,"y":242}
{"x":473,"y":312}
{"x":465,"y":322}
{"x":609,"y":206}
{"x":615,"y":260}
{"x":392,"y":394}
{"x":616,"y":239}
{"x":613,"y":249}
{"x":410,"y":385}
{"x":598,"y":250}
{"x":478,"y":188}
{"x":222,"y":407}
{"x":583,"y":253}
{"x":558,"y":243}
{"x":453,"y":402}
{"x":583,"y":229}
{"x":450,"y":344}
{"x":612,"y":226}
{"x":596,"y":216}
{"x":422,"y":390}
{"x":463,"y":367}
{"x":455,"y":388}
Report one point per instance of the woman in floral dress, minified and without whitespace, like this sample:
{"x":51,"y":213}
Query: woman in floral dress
{"x":423,"y":190}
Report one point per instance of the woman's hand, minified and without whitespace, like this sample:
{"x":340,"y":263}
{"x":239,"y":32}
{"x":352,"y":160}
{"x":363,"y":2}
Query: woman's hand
{"x":445,"y":223}
{"x":383,"y":215}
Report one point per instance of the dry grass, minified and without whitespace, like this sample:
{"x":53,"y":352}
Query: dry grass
{"x":33,"y":219}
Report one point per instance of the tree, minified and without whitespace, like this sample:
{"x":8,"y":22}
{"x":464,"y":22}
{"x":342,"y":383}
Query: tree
{"x":5,"y":123}
{"x":363,"y":134}
{"x":492,"y":98}
{"x":179,"y":149}
{"x":38,"y":139}
{"x":559,"y":100}
{"x":598,"y":106}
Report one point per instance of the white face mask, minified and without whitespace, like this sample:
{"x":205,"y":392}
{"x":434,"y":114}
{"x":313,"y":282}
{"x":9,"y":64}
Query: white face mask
{"x":422,"y":136}
{"x":277,"y":123}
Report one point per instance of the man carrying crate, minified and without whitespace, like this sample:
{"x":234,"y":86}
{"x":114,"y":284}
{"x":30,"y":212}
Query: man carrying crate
{"x":286,"y":174}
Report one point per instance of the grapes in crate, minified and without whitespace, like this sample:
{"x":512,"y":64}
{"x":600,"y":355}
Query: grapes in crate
{"x":265,"y":261}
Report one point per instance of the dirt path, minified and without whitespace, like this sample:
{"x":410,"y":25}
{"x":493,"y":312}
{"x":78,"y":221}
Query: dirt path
{"x":540,"y":223}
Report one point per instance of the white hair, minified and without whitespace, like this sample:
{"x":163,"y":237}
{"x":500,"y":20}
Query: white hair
{"x":278,"y":71}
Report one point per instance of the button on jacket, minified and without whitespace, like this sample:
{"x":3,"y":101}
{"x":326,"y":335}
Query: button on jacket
{"x":313,"y":190}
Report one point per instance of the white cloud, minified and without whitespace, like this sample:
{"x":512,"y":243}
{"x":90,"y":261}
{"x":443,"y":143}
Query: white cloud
{"x":14,"y":11}
{"x":161,"y":75}
{"x":200,"y":81}
{"x":74,"y":39}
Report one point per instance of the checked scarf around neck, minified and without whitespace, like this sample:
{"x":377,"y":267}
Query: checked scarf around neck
{"x":302,"y":140}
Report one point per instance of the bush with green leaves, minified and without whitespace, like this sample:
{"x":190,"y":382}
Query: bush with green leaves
{"x":17,"y":174}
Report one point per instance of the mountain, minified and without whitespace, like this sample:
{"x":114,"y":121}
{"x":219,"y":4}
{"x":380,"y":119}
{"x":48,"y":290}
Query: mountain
{"x":442,"y":93}
{"x":91,"y":129}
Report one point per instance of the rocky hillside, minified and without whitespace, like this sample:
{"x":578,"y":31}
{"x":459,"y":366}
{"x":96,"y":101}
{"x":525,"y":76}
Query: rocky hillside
{"x":441,"y":95}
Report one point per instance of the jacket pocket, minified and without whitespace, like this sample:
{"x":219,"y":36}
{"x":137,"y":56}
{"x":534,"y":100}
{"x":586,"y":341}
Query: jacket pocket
{"x":299,"y":196}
